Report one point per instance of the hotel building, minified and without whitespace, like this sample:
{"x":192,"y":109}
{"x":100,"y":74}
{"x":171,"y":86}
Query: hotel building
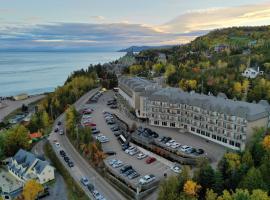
{"x":226,"y":122}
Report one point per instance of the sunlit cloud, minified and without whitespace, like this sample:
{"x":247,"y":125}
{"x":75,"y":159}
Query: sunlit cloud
{"x":213,"y":18}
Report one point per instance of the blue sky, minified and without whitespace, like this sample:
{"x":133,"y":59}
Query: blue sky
{"x":58,"y":24}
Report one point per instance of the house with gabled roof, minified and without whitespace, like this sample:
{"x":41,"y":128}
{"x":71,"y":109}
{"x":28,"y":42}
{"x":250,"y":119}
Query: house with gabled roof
{"x":25,"y":166}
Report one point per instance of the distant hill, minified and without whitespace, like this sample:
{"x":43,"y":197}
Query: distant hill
{"x":143,"y":48}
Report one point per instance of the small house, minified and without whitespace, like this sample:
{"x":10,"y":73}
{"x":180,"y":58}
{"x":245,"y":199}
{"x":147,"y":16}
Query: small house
{"x":252,"y":73}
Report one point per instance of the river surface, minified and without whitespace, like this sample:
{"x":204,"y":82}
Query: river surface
{"x":39,"y":72}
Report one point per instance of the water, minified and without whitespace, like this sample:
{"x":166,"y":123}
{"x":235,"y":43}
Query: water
{"x":39,"y":72}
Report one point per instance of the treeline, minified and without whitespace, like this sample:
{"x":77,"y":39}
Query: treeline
{"x":214,"y":63}
{"x":82,"y":138}
{"x":239,"y":176}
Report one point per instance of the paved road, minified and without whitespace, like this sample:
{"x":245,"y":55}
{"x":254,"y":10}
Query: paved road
{"x":58,"y":190}
{"x":10,"y":106}
{"x":82,"y":168}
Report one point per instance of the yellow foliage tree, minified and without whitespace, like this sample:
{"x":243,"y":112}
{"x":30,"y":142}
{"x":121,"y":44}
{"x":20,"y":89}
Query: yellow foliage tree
{"x":31,"y":190}
{"x":266,"y":142}
{"x":237,"y":88}
{"x":191,"y":188}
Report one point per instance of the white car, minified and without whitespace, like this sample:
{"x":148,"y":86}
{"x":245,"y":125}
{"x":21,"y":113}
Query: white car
{"x":185,"y":148}
{"x":112,"y":161}
{"x":129,"y":149}
{"x":170,"y":143}
{"x":57,"y":145}
{"x":117,"y":164}
{"x":86,"y":116}
{"x":141,"y":156}
{"x":61,"y":132}
{"x":176,"y":169}
{"x":133,"y":152}
{"x":147,"y":179}
{"x":175,"y":145}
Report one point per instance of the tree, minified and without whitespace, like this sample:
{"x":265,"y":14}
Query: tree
{"x":210,"y":195}
{"x":247,"y":160}
{"x":16,"y":138}
{"x":259,"y":195}
{"x":169,"y":189}
{"x":253,"y":180}
{"x":266,"y":142}
{"x":157,"y":68}
{"x":170,"y":69}
{"x":191,"y":188}
{"x":31,"y":189}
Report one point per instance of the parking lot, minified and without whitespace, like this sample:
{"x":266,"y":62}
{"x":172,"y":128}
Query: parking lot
{"x":113,"y":145}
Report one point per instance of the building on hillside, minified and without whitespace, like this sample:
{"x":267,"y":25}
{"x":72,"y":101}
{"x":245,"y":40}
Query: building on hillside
{"x":220,"y":48}
{"x":162,"y":58}
{"x":21,"y":97}
{"x":25,"y":166}
{"x":227,"y":122}
{"x":252,"y":73}
{"x":131,"y":88}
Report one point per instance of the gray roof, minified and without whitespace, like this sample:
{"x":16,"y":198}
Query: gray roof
{"x":26,"y":160}
{"x":136,"y":84}
{"x":249,"y":111}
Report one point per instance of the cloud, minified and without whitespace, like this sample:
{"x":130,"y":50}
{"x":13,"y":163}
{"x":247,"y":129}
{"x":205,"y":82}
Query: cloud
{"x":212,"y":18}
{"x":85,"y":36}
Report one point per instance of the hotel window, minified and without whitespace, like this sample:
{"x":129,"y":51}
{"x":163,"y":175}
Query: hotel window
{"x":156,"y":122}
{"x":224,"y":140}
{"x":237,"y":144}
{"x":193,"y":129}
{"x":231,"y":143}
{"x":172,"y":124}
{"x":198,"y":130}
{"x":203,"y":132}
{"x":218,"y":138}
{"x":164,"y":123}
{"x":214,"y":136}
{"x":207,"y":134}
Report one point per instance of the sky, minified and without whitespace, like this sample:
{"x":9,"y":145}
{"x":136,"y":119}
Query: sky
{"x":115,"y":24}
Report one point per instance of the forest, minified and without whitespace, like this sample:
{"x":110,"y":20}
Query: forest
{"x":214,"y":63}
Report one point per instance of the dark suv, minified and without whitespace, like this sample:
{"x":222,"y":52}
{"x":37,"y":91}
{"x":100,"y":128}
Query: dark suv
{"x":125,"y":168}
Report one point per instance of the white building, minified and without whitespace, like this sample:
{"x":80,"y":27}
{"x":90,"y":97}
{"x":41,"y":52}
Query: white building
{"x":25,"y":166}
{"x":252,"y":73}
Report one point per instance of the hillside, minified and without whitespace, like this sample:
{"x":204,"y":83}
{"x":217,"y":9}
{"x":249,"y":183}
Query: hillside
{"x":214,"y":63}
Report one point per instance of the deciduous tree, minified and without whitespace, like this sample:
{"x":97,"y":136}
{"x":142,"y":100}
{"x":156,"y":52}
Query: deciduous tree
{"x":31,"y":190}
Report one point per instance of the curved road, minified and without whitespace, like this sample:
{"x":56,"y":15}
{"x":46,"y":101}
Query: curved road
{"x":82,"y":168}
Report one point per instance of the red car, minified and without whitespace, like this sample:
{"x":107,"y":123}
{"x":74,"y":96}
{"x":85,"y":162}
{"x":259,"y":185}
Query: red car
{"x":150,"y":160}
{"x":89,"y":124}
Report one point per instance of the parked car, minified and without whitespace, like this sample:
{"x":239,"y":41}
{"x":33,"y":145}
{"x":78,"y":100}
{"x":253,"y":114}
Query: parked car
{"x":147,"y":179}
{"x":128,"y":172}
{"x":115,"y":128}
{"x":167,"y":139}
{"x":170,"y":143}
{"x":70,"y":164}
{"x":116,"y":133}
{"x":85,"y":181}
{"x":97,"y":195}
{"x":133,"y":175}
{"x":185,"y":148}
{"x":141,"y":156}
{"x":133,"y":152}
{"x":130,"y":149}
{"x":57,"y":145}
{"x":59,"y":123}
{"x":56,"y":130}
{"x":61,"y":132}
{"x":90,"y":187}
{"x":175,"y":145}
{"x":96,"y":131}
{"x":62,"y":153}
{"x":125,"y":147}
{"x":125,"y":168}
{"x":112,"y":161}
{"x":176,"y":169}
{"x":117,"y":164}
{"x":150,"y":160}
{"x":113,"y":106}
